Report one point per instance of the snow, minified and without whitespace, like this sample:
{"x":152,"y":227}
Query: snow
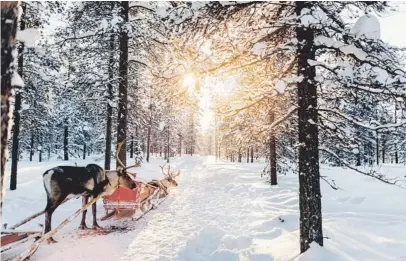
{"x":351,"y":49}
{"x":318,"y":253}
{"x":225,"y":211}
{"x":280,"y":86}
{"x":16,"y":80}
{"x":312,"y":17}
{"x":259,"y":49}
{"x":368,"y":26}
{"x":29,"y":36}
{"x":162,"y":125}
{"x":380,"y":75}
{"x":346,"y":49}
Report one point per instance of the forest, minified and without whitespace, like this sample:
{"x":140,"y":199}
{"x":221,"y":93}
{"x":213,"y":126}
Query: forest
{"x":291,"y":85}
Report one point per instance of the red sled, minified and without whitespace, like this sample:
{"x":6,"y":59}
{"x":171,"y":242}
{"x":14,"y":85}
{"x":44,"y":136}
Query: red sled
{"x":125,"y":202}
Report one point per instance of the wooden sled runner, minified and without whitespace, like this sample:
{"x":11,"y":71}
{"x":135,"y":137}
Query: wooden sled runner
{"x":11,"y":238}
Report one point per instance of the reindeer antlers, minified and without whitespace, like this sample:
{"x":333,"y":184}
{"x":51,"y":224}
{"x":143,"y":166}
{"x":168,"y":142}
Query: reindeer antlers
{"x":119,"y":145}
{"x":169,"y":174}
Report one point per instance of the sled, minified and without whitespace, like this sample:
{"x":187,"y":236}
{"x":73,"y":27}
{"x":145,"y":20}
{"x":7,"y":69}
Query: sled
{"x":131,"y":203}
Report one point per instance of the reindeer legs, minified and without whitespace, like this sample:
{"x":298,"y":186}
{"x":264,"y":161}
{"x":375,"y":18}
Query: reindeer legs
{"x":52,"y":204}
{"x":83,"y":222}
{"x":95,"y":225}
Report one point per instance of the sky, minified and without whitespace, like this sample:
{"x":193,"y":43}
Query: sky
{"x":393,"y":26}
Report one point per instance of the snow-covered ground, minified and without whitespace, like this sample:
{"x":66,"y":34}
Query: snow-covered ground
{"x":225,"y":211}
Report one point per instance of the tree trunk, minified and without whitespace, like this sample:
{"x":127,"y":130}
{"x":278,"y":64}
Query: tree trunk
{"x":396,"y":154}
{"x":168,"y":144}
{"x":377,"y":147}
{"x":123,"y":83}
{"x":9,"y":19}
{"x":32,"y":145}
{"x":109,"y":108}
{"x":132,"y":147}
{"x":17,"y":108}
{"x":309,"y":176}
{"x":15,"y":148}
{"x":383,"y":149}
{"x":252,"y":154}
{"x":84,"y":150}
{"x":65,"y":143}
{"x":248,"y":154}
{"x":180,"y":145}
{"x":272,"y":152}
{"x":40,"y":155}
{"x":148,"y":140}
{"x":359,"y":156}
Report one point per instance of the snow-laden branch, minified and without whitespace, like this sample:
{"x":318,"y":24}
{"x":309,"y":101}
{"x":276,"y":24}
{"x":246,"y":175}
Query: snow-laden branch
{"x":366,"y":87}
{"x":362,"y":124}
{"x":371,"y":173}
{"x":281,"y":119}
{"x":152,"y":72}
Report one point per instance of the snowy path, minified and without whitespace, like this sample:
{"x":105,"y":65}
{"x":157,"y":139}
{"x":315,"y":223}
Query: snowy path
{"x":225,"y":211}
{"x":215,"y":217}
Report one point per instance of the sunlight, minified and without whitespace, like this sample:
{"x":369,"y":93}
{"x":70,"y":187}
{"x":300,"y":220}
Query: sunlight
{"x":207,"y":112}
{"x":189,"y":82}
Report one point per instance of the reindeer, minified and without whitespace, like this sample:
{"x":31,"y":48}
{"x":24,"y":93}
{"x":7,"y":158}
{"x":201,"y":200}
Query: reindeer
{"x":64,"y":182}
{"x":157,"y":189}
{"x":166,"y":183}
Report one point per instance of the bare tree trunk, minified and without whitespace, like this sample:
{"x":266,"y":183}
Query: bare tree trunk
{"x":148,"y":140}
{"x":309,"y":176}
{"x":65,"y":142}
{"x":40,"y":155}
{"x":132,"y":147}
{"x":252,"y":154}
{"x":109,"y":109}
{"x":396,"y":154}
{"x":383,"y":149}
{"x":180,"y":145}
{"x":359,"y":156}
{"x":168,"y":144}
{"x":272,"y":152}
{"x":248,"y":154}
{"x":9,"y":19}
{"x":377,"y":147}
{"x":123,"y":84}
{"x":84,"y":150}
{"x":32,"y":144}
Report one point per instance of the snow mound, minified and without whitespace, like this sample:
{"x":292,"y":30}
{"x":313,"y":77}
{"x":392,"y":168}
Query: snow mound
{"x":239,"y":242}
{"x":223,"y":254}
{"x":318,"y":253}
{"x":368,"y":26}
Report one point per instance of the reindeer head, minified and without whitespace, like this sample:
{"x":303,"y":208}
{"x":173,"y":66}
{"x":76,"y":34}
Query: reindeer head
{"x":170,"y":176}
{"x":125,"y":179}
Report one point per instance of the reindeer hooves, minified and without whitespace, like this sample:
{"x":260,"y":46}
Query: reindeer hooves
{"x":83,"y":227}
{"x":97,"y":227}
{"x":51,"y":241}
